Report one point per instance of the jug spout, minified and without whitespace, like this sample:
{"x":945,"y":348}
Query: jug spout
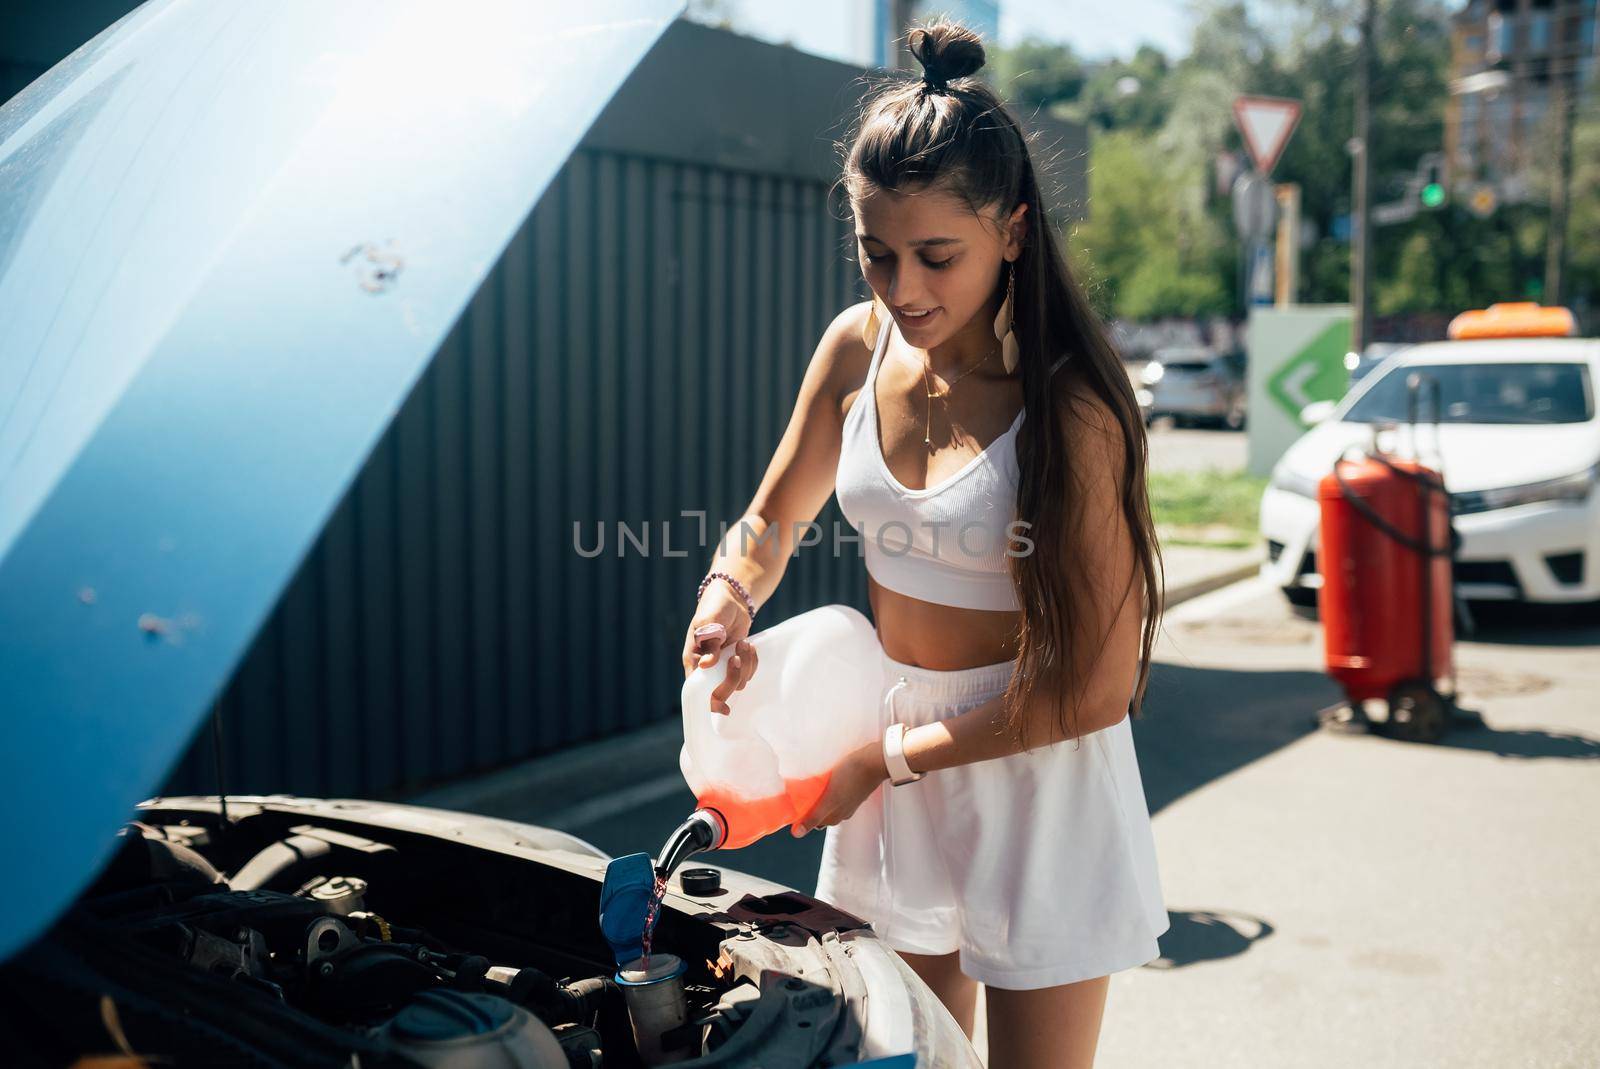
{"x":704,"y":830}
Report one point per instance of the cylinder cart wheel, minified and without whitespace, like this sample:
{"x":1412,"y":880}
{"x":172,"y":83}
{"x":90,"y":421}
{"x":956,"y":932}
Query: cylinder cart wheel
{"x":1343,"y":718}
{"x":1416,"y":712}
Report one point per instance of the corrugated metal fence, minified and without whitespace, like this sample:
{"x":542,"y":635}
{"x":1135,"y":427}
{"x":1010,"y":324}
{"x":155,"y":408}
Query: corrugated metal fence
{"x":634,"y":355}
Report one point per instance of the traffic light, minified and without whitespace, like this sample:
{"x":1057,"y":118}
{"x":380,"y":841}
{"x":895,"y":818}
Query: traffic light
{"x":1432,"y":175}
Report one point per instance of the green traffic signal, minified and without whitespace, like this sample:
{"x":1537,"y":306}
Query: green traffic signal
{"x":1432,"y":195}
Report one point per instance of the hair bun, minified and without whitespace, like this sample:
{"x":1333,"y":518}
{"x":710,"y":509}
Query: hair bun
{"x":947,"y":51}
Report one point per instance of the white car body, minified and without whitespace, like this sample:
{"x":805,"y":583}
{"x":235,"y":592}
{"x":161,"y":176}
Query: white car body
{"x":1526,"y":505}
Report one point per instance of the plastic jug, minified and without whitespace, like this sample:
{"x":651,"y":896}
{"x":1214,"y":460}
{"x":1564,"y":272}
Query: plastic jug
{"x":814,"y":698}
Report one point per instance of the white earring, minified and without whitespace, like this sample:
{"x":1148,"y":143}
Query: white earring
{"x":1010,"y":351}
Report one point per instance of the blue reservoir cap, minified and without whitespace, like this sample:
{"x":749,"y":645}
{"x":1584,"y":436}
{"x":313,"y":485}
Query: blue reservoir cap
{"x":624,"y":898}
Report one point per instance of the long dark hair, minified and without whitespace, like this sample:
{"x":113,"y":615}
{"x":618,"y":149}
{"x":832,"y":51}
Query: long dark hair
{"x":949,"y":131}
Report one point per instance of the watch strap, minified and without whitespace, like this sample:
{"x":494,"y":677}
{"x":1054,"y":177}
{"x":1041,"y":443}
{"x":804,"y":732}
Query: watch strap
{"x":894,"y":756}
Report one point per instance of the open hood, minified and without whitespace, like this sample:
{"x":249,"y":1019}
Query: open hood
{"x":231,"y":238}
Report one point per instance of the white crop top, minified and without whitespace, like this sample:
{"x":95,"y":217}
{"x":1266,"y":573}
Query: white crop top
{"x":946,"y":543}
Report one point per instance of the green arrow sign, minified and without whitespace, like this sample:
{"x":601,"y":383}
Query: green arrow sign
{"x":1315,"y":373}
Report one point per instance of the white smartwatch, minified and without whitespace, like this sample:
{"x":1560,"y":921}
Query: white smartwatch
{"x":894,"y":756}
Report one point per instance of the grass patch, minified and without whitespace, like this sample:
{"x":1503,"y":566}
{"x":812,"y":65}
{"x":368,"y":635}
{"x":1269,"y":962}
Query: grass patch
{"x":1207,"y":508}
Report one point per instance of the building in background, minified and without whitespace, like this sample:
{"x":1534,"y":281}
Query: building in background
{"x":1512,"y":62}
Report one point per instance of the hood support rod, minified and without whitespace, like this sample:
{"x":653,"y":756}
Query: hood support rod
{"x":216,"y":758}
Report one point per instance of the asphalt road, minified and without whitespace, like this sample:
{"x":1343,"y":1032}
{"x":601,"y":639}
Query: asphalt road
{"x":1336,"y":900}
{"x":1195,"y":448}
{"x":1351,"y":900}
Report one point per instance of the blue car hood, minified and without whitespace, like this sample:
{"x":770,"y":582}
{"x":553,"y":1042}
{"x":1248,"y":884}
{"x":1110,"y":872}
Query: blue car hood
{"x":232,"y":236}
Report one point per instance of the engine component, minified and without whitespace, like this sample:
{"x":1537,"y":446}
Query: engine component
{"x":372,"y":926}
{"x":146,"y":856}
{"x":456,"y":1030}
{"x":327,"y":938}
{"x":187,"y":958}
{"x":294,"y":860}
{"x":555,"y":1003}
{"x":343,"y":895}
{"x":731,"y":1012}
{"x":657,"y":1006}
{"x":363,"y":978}
{"x":582,"y":1045}
{"x":244,"y":955}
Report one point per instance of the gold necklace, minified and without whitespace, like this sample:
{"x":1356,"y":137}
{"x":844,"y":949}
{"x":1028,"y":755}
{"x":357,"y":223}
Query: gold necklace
{"x":927,"y":382}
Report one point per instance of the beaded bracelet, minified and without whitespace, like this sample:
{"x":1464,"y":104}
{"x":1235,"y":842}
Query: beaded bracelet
{"x":738,"y":587}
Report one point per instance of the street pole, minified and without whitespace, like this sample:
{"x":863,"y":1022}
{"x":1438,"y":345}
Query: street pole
{"x":1361,"y":216}
{"x":1286,"y":277}
{"x":1555,"y":249}
{"x":1244,"y":279}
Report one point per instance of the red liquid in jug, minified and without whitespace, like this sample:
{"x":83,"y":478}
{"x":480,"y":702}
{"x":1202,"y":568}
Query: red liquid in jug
{"x":750,"y":819}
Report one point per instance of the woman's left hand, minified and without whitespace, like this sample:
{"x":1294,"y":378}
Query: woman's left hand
{"x":852,"y":782}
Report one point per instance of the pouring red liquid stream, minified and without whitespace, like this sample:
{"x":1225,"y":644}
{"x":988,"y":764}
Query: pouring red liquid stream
{"x":650,"y":912}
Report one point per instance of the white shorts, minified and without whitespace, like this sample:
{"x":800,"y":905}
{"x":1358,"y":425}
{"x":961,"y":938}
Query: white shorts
{"x":1039,"y":868}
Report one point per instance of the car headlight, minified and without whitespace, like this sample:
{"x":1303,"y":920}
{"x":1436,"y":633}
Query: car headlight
{"x":1152,"y":373}
{"x":1574,"y":488}
{"x":1295,"y":483}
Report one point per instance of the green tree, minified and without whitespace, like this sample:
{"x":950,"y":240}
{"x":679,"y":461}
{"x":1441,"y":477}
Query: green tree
{"x":1583,"y":249}
{"x":1159,"y":236}
{"x":1414,"y":285}
{"x":1146,"y":256}
{"x":1037,"y":75}
{"x":1582,"y":282}
{"x":1124,"y":94}
{"x":1311,"y":57}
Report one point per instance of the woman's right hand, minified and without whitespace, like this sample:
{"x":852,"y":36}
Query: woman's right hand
{"x":720,"y":625}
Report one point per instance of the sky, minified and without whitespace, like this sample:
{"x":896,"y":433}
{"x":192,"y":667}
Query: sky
{"x":1099,"y":30}
{"x":1095,"y":30}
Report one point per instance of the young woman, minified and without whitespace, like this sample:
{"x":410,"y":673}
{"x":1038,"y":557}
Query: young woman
{"x":981,"y":434}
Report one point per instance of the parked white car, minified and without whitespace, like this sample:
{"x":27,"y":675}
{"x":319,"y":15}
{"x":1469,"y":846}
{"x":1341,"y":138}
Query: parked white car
{"x":1519,"y":444}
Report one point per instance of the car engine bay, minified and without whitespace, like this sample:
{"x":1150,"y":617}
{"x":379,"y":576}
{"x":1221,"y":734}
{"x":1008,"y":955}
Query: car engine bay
{"x":273,"y":938}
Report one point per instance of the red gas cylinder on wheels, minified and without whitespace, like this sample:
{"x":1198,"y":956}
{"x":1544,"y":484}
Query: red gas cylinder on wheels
{"x":1386,"y":600}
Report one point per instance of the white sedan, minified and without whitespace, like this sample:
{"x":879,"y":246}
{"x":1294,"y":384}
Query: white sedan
{"x":1519,"y":444}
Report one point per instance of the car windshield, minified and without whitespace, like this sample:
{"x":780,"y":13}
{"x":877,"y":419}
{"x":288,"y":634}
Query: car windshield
{"x":1483,"y":393}
{"x":1185,"y":365}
